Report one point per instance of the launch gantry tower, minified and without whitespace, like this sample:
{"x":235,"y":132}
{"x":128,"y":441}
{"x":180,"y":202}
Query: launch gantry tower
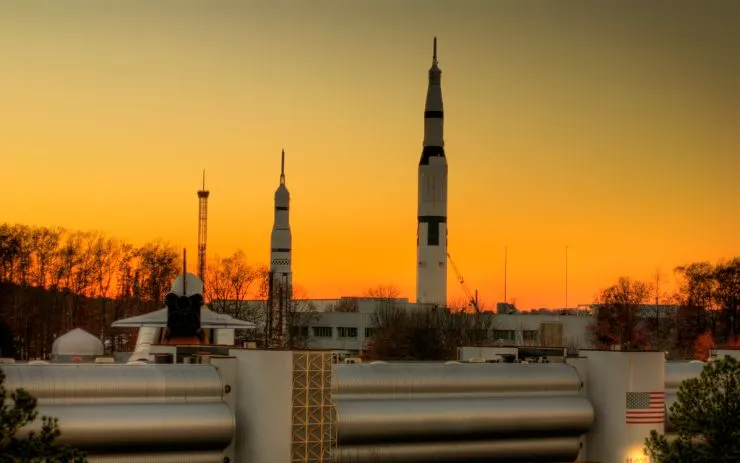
{"x":202,"y":229}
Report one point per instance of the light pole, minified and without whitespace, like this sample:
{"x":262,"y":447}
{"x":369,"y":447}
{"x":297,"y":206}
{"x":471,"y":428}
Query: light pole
{"x":566,"y":277}
{"x":506,"y":251}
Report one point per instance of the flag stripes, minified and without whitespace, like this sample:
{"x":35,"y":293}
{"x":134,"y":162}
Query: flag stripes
{"x":645,"y":407}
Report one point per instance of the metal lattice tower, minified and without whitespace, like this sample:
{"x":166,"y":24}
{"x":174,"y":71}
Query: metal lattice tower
{"x":202,"y":229}
{"x":314,"y":436}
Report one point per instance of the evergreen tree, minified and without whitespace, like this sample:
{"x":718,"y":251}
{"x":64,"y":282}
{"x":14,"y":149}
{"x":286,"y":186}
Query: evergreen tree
{"x":19,"y":411}
{"x":705,"y":417}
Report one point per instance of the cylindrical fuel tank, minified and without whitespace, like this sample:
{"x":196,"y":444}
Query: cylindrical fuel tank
{"x":110,"y":384}
{"x":675,"y":374}
{"x":545,"y":449}
{"x":432,"y":419}
{"x":169,"y":457}
{"x":437,"y":379}
{"x":173,"y":426}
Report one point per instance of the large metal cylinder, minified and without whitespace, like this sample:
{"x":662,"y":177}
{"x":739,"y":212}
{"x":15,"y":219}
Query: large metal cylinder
{"x":111,"y":384}
{"x":463,"y":380}
{"x":545,"y":449}
{"x":675,"y":374}
{"x":176,"y":426}
{"x":432,"y":419}
{"x":678,"y":372}
{"x":169,"y":457}
{"x":424,"y":412}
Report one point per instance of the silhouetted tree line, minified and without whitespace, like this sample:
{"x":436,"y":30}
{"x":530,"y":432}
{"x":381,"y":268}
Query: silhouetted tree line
{"x":702,"y":314}
{"x":53,"y":280}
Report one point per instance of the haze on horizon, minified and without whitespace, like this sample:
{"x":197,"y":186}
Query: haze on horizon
{"x":610,"y":127}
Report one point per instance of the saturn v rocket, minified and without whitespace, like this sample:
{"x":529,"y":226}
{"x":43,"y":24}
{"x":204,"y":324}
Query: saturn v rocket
{"x":431,"y":234}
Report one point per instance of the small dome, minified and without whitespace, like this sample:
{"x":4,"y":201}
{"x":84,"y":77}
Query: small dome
{"x":77,"y":342}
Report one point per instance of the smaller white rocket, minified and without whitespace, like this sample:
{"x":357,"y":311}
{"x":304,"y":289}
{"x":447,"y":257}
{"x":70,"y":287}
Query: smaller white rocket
{"x":281,"y":238}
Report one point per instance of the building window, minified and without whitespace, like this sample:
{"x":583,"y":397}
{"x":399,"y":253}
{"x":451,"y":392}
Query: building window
{"x":322,"y":331}
{"x":347,"y":332}
{"x":369,"y":332}
{"x":530,"y":336}
{"x":299,"y":331}
{"x":506,"y":335}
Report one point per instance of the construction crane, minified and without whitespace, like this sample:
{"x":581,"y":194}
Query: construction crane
{"x":473,"y":301}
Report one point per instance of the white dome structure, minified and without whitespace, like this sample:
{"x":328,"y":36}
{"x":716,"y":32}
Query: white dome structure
{"x":77,"y":345}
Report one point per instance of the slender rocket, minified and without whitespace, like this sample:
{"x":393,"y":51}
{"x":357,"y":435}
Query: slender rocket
{"x":281,"y":238}
{"x":431,"y":234}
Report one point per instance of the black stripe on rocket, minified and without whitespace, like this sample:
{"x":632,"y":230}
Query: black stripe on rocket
{"x":433,"y":222}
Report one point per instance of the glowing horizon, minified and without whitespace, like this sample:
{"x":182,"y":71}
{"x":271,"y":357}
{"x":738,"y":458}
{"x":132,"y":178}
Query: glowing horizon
{"x":613,"y":135}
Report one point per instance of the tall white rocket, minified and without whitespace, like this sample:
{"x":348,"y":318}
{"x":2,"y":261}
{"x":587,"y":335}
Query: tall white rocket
{"x":431,"y":233}
{"x":281,"y":238}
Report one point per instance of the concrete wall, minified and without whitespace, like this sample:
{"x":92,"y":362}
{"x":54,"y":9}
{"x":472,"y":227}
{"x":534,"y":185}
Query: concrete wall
{"x":335,"y":321}
{"x":263,"y":410}
{"x":718,"y":354}
{"x":611,"y":375}
{"x":573,"y":328}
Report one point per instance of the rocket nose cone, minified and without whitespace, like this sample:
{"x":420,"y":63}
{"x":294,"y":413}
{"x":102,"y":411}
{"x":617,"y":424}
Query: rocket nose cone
{"x":194,"y":285}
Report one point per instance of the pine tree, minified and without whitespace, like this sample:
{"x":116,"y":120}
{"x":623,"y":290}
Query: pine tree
{"x":19,"y":411}
{"x":705,"y":417}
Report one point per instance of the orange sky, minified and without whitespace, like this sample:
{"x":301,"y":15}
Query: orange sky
{"x":610,"y":127}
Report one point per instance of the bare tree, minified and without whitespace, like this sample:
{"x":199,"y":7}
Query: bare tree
{"x":298,"y":317}
{"x":159,"y":265}
{"x":346,"y":304}
{"x":727,"y":297}
{"x":45,"y":243}
{"x":617,"y":321}
{"x":388,"y":292}
{"x":232,"y":281}
{"x":386,"y":297}
{"x":404,"y":332}
{"x":107,"y":254}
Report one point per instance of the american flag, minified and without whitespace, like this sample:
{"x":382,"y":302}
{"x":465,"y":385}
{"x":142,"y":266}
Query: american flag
{"x":645,"y":407}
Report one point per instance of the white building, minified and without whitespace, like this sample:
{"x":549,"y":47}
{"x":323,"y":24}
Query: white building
{"x":350,"y":331}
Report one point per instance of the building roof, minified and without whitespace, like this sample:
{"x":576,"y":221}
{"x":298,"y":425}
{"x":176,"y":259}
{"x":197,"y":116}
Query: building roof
{"x":208,"y":319}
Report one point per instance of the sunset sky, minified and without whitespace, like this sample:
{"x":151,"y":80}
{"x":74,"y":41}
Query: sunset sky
{"x":612,"y":127}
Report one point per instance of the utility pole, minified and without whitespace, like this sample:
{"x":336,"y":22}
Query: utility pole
{"x":657,"y":302}
{"x":506,"y":250}
{"x":566,"y":277}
